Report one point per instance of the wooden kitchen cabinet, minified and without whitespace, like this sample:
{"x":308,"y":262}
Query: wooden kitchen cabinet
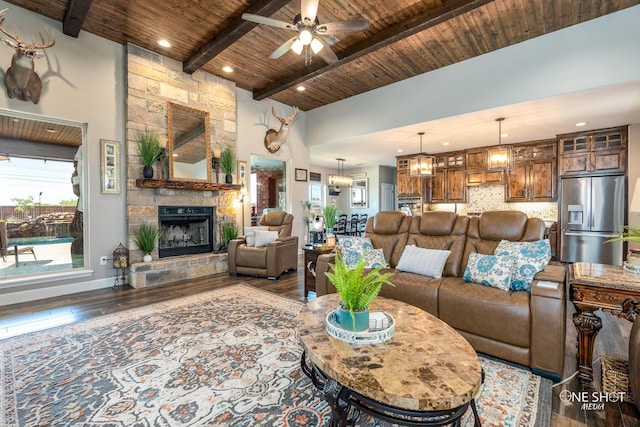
{"x":533,"y":177}
{"x":449,"y":186}
{"x":407,"y":185}
{"x":594,"y":152}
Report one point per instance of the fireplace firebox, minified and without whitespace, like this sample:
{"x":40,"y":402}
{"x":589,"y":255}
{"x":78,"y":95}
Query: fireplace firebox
{"x":186,"y":230}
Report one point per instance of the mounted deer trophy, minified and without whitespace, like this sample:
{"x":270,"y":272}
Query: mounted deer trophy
{"x":21,"y":80}
{"x":274,"y":139}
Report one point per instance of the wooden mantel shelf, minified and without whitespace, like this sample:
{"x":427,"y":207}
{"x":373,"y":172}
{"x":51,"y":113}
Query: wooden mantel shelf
{"x":185,"y":185}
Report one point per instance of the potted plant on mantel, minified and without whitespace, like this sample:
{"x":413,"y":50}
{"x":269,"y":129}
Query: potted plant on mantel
{"x":145,"y":238}
{"x":150,"y":151}
{"x":228,"y":164}
{"x":357,"y":290}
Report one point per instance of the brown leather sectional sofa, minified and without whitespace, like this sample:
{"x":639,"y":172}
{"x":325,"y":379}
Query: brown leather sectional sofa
{"x":518,"y":326}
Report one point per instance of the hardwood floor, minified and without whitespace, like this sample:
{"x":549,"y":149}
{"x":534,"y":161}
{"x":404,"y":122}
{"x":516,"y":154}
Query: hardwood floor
{"x":37,"y":315}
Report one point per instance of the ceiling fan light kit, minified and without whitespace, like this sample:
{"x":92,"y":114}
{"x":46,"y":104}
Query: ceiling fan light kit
{"x":310,"y":32}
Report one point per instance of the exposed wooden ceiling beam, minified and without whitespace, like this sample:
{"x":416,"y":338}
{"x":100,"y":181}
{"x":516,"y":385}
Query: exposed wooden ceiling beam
{"x":381,"y":39}
{"x":230,"y":34}
{"x":74,"y":16}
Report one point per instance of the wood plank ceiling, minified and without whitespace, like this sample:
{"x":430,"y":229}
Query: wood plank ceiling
{"x":406,"y":37}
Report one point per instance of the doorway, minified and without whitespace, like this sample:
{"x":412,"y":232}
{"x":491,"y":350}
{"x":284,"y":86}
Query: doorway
{"x":269,"y":185}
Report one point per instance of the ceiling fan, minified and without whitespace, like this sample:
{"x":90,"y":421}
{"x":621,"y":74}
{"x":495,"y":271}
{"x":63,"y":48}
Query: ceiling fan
{"x":310,"y":32}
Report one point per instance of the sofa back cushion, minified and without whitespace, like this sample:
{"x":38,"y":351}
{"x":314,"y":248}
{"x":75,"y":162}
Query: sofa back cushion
{"x":444,"y":231}
{"x":485,"y":233}
{"x":388,"y":230}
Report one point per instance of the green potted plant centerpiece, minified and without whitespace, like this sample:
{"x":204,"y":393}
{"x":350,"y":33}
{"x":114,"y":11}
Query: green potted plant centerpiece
{"x":357,"y":289}
{"x":150,"y":151}
{"x":228,"y":164}
{"x":145,"y":238}
{"x":330,"y":214}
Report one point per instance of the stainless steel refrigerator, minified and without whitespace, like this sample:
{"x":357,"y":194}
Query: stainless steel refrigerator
{"x":592,"y":211}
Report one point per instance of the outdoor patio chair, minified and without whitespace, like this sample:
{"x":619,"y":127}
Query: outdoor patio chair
{"x":13,"y":251}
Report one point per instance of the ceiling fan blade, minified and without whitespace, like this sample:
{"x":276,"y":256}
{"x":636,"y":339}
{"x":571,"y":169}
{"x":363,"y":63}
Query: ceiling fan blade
{"x":258,"y":19}
{"x":328,"y":40}
{"x":284,"y":48}
{"x":327,"y":54}
{"x":309,"y":10}
{"x":352,"y":26}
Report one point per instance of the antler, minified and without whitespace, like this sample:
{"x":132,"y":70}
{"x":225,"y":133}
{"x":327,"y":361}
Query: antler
{"x":45,"y":44}
{"x":283,"y":119}
{"x":15,"y":38}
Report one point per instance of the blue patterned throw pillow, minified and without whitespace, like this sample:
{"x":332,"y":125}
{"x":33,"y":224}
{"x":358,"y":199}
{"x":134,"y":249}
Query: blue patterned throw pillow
{"x":374,"y":258}
{"x":353,"y":248}
{"x":529,"y":259}
{"x":490,"y":270}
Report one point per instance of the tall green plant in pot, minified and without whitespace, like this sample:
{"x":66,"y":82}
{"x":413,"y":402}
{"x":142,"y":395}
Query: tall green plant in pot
{"x":230,"y":231}
{"x":330,"y":214}
{"x":150,"y":151}
{"x":357,"y":289}
{"x":145,"y":237}
{"x":228,"y":164}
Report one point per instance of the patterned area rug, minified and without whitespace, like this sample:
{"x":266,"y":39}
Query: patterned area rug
{"x":228,"y":357}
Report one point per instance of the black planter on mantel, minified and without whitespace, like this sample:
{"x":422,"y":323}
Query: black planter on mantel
{"x":147,"y":172}
{"x":228,"y":179}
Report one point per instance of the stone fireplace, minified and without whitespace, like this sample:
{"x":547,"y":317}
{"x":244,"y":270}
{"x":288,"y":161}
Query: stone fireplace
{"x":187,"y":248}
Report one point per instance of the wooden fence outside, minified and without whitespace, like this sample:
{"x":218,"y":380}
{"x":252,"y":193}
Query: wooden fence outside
{"x":7,"y":212}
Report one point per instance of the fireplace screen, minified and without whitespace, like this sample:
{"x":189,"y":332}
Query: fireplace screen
{"x":185,"y":230}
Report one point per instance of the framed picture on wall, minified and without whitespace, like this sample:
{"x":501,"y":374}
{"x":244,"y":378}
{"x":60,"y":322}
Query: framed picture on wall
{"x":242,"y":172}
{"x":315,"y":177}
{"x":110,"y":166}
{"x":301,"y":174}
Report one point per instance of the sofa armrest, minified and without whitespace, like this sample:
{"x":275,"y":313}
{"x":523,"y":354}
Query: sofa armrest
{"x":548,"y":318}
{"x":231,"y":253}
{"x":289,"y":239}
{"x":282,"y":255}
{"x":323,"y":285}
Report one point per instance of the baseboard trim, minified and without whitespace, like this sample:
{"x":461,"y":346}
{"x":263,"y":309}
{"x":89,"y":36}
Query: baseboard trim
{"x":54,"y":291}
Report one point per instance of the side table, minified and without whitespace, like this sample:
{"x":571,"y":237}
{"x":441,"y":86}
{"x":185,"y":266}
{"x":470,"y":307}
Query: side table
{"x":599,"y":286}
{"x":311,"y":254}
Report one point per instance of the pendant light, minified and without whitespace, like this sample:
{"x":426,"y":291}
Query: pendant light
{"x":422,"y":165}
{"x":500,"y":158}
{"x":340,"y":179}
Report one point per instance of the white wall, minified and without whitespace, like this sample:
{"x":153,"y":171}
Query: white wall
{"x":84,"y":81}
{"x":254,"y":118}
{"x":634,"y":171}
{"x":578,"y":58}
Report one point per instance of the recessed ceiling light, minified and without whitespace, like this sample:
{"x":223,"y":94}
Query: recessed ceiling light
{"x":15,"y":120}
{"x":581,"y":124}
{"x":164,"y":43}
{"x":446,"y":143}
{"x":301,"y":88}
{"x":51,"y":130}
{"x":504,"y":134}
{"x":399,"y":150}
{"x":227,"y":69}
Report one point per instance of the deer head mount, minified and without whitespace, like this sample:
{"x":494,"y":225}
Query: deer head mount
{"x":21,"y":80}
{"x":274,"y":139}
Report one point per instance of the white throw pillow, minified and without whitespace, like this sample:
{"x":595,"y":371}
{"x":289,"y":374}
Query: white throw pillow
{"x":263,"y":238}
{"x":250,"y":234}
{"x":427,"y":262}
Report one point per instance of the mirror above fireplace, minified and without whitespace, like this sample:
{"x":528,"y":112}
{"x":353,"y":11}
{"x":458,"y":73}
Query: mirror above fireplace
{"x":189,"y":143}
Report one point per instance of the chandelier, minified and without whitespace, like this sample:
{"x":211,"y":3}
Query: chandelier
{"x":422,"y":165}
{"x":500,"y":158}
{"x":340,"y":179}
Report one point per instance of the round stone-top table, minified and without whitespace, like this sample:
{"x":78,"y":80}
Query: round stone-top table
{"x":425,"y":372}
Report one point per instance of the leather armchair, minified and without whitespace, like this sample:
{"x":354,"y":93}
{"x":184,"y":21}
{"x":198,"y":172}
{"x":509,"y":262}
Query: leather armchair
{"x":267,"y":261}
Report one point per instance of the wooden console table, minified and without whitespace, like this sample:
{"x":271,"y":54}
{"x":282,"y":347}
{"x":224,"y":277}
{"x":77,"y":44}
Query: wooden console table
{"x":599,"y":286}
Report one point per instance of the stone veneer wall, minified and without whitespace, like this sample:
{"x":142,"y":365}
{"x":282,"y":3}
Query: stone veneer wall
{"x":153,"y":80}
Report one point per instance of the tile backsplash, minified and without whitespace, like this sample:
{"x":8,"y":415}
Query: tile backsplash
{"x":490,"y":198}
